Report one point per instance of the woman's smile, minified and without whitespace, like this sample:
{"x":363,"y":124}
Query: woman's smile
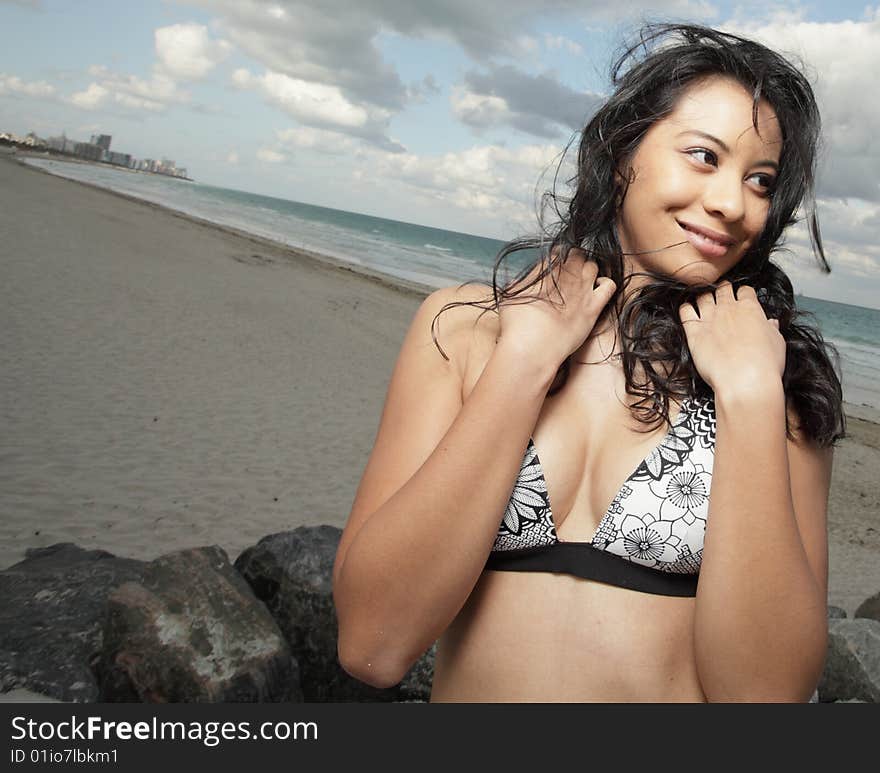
{"x":706,"y":245}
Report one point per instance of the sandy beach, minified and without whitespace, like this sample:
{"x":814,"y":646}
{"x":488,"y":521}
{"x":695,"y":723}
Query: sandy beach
{"x":166,"y":383}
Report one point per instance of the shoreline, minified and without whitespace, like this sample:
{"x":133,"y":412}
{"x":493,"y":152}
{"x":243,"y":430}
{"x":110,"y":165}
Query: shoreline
{"x":861,"y":411}
{"x":169,"y":383}
{"x":404,"y":285}
{"x":66,"y":159}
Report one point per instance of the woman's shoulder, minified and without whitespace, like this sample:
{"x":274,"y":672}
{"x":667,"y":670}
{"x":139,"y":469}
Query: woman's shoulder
{"x":460,"y":322}
{"x":465,"y":314}
{"x":472,"y":292}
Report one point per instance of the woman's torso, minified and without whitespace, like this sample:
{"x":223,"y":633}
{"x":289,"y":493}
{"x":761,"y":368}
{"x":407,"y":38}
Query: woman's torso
{"x":536,"y":636}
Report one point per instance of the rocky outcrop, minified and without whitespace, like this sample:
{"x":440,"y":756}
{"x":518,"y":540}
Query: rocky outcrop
{"x":83,"y":626}
{"x":192,"y":631}
{"x":291,"y":573}
{"x":52,"y":607}
{"x":852,"y":666}
{"x":869,"y":608}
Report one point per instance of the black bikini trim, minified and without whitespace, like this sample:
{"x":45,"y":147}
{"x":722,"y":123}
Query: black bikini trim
{"x":583,"y":560}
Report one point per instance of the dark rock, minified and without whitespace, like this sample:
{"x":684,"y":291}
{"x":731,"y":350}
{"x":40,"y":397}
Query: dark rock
{"x":191,"y":631}
{"x":52,"y":608}
{"x":836,"y":613}
{"x":292,"y":573}
{"x":416,"y":685}
{"x":870,"y":608}
{"x":852,"y":665}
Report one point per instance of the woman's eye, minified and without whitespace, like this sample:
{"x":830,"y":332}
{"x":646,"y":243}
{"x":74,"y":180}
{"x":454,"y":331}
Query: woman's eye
{"x":766,"y":181}
{"x":705,"y":152}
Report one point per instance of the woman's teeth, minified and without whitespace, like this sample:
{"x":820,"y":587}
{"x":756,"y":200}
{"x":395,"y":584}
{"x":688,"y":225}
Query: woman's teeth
{"x":703,"y":237}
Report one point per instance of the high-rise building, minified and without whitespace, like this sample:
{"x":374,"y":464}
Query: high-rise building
{"x":119,"y":159}
{"x":101,"y":140}
{"x":88,"y":150}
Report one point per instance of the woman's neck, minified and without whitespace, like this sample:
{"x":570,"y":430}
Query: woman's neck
{"x":603,"y":343}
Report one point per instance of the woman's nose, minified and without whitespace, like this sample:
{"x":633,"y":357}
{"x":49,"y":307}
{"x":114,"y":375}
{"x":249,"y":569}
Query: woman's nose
{"x":724,"y":196}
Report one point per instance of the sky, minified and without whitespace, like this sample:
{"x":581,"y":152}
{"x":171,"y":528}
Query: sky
{"x":446,"y":113}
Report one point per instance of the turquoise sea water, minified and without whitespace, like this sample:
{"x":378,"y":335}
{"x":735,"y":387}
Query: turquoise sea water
{"x":430,"y":256}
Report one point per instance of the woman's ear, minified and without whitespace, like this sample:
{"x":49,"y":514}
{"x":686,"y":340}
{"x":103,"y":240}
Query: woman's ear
{"x":622,"y":180}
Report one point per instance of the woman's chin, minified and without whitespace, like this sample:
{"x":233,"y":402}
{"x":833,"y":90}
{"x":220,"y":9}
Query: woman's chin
{"x":697,"y":273}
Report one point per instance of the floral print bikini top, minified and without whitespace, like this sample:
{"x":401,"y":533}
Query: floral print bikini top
{"x":650,"y":538}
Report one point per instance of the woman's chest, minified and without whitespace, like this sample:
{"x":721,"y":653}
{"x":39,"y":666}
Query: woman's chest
{"x":592,"y":474}
{"x":577,"y":436}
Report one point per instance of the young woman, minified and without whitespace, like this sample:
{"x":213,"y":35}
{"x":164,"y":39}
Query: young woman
{"x":614,"y":486}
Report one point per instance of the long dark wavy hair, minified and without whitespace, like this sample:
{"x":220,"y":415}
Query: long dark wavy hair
{"x":665,"y":61}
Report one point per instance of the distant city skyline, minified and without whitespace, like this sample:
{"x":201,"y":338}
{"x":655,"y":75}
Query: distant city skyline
{"x":445,"y":113}
{"x":97,"y":150}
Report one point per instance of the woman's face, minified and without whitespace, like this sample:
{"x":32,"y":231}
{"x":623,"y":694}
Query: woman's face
{"x":702,"y":167}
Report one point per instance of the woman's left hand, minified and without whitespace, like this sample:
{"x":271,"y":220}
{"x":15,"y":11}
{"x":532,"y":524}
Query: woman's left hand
{"x":732,"y":343}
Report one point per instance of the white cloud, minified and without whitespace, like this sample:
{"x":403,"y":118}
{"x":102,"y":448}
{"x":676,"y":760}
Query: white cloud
{"x":129,"y":91}
{"x":90,"y":99}
{"x":312,"y":102}
{"x":318,"y":105}
{"x":160,"y":88}
{"x":335,"y":46}
{"x":558,"y":42}
{"x":857,"y":263}
{"x":497,"y":181}
{"x":335,"y":42}
{"x":330,"y":43}
{"x":138,"y":103}
{"x":242,"y":79}
{"x":616,"y":10}
{"x":270,"y":156}
{"x":528,"y":44}
{"x":478,"y":110}
{"x":320,"y":140}
{"x":186,"y":52}
{"x":851,"y":238}
{"x":842,"y":59}
{"x":12,"y":84}
{"x":535,"y":104}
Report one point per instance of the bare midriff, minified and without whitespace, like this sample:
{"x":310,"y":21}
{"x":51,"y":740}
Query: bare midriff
{"x":541,"y":637}
{"x":546,"y":637}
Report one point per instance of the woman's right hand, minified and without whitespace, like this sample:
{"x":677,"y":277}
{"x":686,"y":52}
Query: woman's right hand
{"x":548,"y":327}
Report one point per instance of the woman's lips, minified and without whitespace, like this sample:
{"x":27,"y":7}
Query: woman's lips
{"x":704,"y":245}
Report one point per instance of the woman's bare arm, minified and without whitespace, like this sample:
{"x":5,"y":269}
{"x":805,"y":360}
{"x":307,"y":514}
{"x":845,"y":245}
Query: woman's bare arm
{"x":761,"y":616}
{"x":433,"y":493}
{"x":760,"y":625}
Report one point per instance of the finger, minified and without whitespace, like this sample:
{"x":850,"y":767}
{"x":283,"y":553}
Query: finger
{"x":590,"y":269}
{"x":687,"y":313}
{"x":724,"y":292}
{"x":746,"y":291}
{"x":705,"y":304}
{"x":605,"y":287}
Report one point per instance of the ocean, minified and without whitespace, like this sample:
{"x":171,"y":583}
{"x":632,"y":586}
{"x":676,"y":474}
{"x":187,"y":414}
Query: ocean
{"x":429,"y":256}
